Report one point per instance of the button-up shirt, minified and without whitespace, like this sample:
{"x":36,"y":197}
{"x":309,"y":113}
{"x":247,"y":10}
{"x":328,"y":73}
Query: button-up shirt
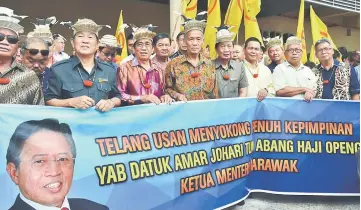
{"x":66,"y":81}
{"x":42,"y":207}
{"x":179,"y":80}
{"x":24,"y":86}
{"x":329,"y":74}
{"x":133,"y":77}
{"x":264,"y":79}
{"x":286,"y":75}
{"x":229,"y":88}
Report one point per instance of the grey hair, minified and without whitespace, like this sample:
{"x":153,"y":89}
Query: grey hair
{"x":31,"y":40}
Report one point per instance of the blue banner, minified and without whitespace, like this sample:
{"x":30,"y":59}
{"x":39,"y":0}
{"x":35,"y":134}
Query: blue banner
{"x":196,"y":155}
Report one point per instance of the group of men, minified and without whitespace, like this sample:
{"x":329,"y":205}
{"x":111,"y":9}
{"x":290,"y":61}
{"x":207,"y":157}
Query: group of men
{"x":90,"y":78}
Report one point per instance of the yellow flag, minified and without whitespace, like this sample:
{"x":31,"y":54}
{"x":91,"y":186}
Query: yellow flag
{"x":251,"y":9}
{"x":313,"y":57}
{"x":213,"y":20}
{"x":189,"y":8}
{"x":234,"y":16}
{"x":319,"y":30}
{"x":119,"y":33}
{"x":300,"y":30}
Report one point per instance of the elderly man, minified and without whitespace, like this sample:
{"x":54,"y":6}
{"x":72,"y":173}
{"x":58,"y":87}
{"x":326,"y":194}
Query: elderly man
{"x":140,"y":80}
{"x":258,"y":75}
{"x":33,"y":148}
{"x":230,"y":75}
{"x":108,"y":49}
{"x":238,"y":53}
{"x":191,"y":76}
{"x":18,"y":85}
{"x":83,"y":81}
{"x":161,"y":44}
{"x":275,"y":53}
{"x":58,"y":48}
{"x":334,"y":80}
{"x":35,"y":53}
{"x":182,"y":47}
{"x":292,"y":78}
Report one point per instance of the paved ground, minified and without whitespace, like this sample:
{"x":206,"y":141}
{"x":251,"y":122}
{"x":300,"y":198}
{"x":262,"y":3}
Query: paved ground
{"x":262,"y":201}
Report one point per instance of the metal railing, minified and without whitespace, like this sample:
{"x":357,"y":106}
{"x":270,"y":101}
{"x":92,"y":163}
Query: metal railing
{"x":348,"y":5}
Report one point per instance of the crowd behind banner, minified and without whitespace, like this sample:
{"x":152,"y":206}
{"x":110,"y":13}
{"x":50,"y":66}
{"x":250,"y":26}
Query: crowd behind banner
{"x":35,"y":70}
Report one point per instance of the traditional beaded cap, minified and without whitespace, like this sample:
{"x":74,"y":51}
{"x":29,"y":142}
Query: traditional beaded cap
{"x":85,"y":25}
{"x":109,"y":41}
{"x":223,"y":34}
{"x":144,"y":32}
{"x":198,"y":23}
{"x":11,"y":21}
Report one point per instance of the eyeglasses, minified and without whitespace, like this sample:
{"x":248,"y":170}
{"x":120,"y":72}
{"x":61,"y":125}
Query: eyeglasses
{"x":45,"y":162}
{"x":36,"y":51}
{"x":107,"y":54}
{"x":294,"y":50}
{"x":12,"y":39}
{"x":324,"y":49}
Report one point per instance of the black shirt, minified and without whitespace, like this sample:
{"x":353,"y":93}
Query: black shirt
{"x":66,"y":81}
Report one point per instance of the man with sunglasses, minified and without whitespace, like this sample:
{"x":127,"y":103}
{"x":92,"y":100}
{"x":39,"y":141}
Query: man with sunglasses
{"x":83,"y":81}
{"x":35,"y":53}
{"x":108,"y":49}
{"x":292,"y":78}
{"x":334,"y":80}
{"x":18,"y":85}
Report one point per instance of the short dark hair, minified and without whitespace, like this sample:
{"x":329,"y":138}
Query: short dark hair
{"x":217,"y":44}
{"x":26,"y":129}
{"x":179,"y":35}
{"x":130,"y":36}
{"x":159,"y":37}
{"x":321,"y":41}
{"x":252,"y":39}
{"x":310,"y":64}
{"x":344,"y":53}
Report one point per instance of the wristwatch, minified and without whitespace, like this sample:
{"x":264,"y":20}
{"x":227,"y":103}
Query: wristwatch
{"x":266,"y":89}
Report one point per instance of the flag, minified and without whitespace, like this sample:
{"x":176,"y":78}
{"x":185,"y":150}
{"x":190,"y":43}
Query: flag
{"x":120,"y":35}
{"x":251,"y":9}
{"x":189,"y":8}
{"x":213,"y":20}
{"x":301,"y":32}
{"x":234,"y":15}
{"x":319,"y":30}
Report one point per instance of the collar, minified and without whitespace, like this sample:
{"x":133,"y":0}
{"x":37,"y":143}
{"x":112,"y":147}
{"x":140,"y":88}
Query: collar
{"x":249,"y":64}
{"x":153,"y":65}
{"x":42,"y":207}
{"x":217,"y":63}
{"x":290,"y":65}
{"x":335,"y":63}
{"x":75,"y":62}
{"x":184,"y":58}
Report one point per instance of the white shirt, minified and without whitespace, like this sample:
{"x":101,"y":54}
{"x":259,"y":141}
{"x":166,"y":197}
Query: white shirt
{"x":264,"y":79}
{"x":59,"y":57}
{"x":41,"y":207}
{"x":286,"y":75}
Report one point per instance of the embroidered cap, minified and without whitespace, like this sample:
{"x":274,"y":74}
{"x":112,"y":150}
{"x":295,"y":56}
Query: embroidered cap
{"x":42,"y":29}
{"x":274,"y":42}
{"x":199,"y":23}
{"x":144,"y":32}
{"x":85,"y":25}
{"x":223,"y":34}
{"x":11,"y":21}
{"x":109,"y":41}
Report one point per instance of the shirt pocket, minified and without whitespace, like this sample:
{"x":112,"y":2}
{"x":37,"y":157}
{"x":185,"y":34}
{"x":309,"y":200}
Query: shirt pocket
{"x":71,"y":90}
{"x":232,"y":86}
{"x":104,"y":87}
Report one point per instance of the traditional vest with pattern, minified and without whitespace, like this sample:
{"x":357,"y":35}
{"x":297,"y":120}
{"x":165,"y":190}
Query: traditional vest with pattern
{"x":342,"y":81}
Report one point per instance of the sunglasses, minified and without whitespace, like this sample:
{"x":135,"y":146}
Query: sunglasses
{"x":109,"y":54}
{"x":12,"y":39}
{"x":36,"y":51}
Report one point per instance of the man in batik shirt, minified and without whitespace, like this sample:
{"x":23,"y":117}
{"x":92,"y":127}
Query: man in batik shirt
{"x":18,"y":85}
{"x":140,"y":80}
{"x":191,"y":76}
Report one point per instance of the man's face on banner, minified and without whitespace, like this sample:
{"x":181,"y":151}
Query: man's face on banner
{"x":45,"y":172}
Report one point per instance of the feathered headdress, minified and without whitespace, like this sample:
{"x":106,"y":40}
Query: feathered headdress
{"x":84,"y":25}
{"x":143,"y":32}
{"x":11,"y":21}
{"x":223,"y":34}
{"x":42,"y":29}
{"x":198,"y":23}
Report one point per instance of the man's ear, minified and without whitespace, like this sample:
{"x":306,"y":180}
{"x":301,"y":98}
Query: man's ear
{"x":13,"y":172}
